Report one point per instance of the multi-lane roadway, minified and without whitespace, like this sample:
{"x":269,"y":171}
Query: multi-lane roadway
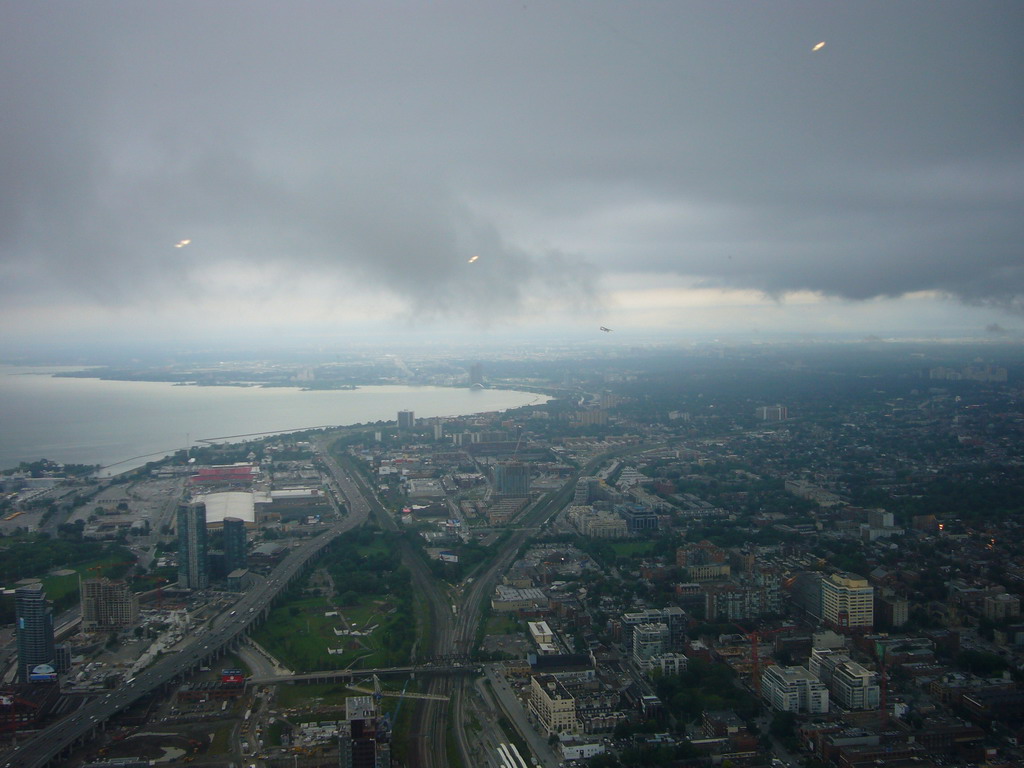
{"x":452,"y":632}
{"x":52,"y":742}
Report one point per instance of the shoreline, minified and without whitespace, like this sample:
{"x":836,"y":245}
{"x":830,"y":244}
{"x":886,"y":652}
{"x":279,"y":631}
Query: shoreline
{"x":82,"y":435}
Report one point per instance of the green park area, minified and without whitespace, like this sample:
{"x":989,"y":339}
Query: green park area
{"x":632,"y":548}
{"x":354,"y":610}
{"x":62,"y":585}
{"x":304,"y":633}
{"x":503,"y":624}
{"x":59,"y":562}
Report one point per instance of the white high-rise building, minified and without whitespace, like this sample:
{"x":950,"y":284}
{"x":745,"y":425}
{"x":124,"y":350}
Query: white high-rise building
{"x":850,"y":684}
{"x":847,"y":602}
{"x":794,"y":689}
{"x":855,"y":687}
{"x":33,"y":630}
{"x":553,"y":705}
{"x":649,"y":640}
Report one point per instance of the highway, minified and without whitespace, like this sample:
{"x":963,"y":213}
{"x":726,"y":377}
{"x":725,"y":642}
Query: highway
{"x":43,"y":747}
{"x":450,"y":634}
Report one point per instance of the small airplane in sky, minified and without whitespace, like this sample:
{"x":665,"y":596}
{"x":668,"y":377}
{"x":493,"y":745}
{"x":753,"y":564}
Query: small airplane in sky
{"x":606,"y":330}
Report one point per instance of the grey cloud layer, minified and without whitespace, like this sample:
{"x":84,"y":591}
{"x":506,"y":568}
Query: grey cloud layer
{"x":358,"y":140}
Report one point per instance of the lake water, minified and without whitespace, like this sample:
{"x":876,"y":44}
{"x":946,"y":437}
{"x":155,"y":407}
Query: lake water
{"x":126,"y":423}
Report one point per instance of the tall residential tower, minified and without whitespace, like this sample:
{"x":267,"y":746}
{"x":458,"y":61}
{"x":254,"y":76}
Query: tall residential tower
{"x":34,"y":627}
{"x":234,"y":544}
{"x":193,"y":568}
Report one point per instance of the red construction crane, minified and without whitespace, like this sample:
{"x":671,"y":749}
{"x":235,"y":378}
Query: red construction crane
{"x":160,"y":592}
{"x":754,"y":638}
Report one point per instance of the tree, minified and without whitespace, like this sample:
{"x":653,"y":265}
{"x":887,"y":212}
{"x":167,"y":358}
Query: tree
{"x":782,"y":724}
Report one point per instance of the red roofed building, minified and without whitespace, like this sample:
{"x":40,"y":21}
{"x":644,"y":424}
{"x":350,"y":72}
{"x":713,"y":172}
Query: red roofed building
{"x":227,"y":474}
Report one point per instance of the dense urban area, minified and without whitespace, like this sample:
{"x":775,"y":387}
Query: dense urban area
{"x":761,"y":556}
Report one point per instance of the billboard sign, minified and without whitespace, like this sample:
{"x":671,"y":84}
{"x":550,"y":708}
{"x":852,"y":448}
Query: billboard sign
{"x":42,"y":673}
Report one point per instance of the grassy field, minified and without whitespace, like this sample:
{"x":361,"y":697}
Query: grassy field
{"x":58,"y":587}
{"x":324,"y":694}
{"x":221,"y":743}
{"x":272,"y":736}
{"x":630,"y":548}
{"x":502,"y":624}
{"x":299,"y":634}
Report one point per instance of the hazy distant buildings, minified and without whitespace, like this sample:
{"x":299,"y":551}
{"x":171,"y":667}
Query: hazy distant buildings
{"x":891,"y":611}
{"x":511,"y":480}
{"x":108,"y":605}
{"x":811,"y":492}
{"x":588,"y":489}
{"x":772,"y":413}
{"x":1000,"y":607}
{"x":597,"y":524}
{"x":406,"y":420}
{"x":987,"y":373}
{"x":672,"y":617}
{"x":34,"y":630}
{"x":805,"y":592}
{"x":638,"y":517}
{"x":476,"y":375}
{"x":193,"y":568}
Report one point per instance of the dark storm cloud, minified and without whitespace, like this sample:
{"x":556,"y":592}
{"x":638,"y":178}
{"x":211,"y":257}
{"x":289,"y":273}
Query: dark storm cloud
{"x":362,"y":141}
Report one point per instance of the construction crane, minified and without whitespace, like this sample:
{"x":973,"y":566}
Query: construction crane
{"x":754,"y":638}
{"x":377,"y":692}
{"x":160,"y":592}
{"x":98,"y":569}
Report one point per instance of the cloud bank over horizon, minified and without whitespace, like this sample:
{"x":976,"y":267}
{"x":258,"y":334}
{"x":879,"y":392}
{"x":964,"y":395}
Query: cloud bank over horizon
{"x":339,"y":163}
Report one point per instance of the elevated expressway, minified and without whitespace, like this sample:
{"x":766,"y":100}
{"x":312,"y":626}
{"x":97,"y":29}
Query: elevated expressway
{"x":57,"y":740}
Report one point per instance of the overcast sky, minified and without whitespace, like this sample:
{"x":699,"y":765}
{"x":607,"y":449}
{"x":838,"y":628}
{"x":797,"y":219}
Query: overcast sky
{"x":648,"y":166}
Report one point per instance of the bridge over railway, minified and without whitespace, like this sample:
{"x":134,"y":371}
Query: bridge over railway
{"x":348,"y":675}
{"x":58,"y":740}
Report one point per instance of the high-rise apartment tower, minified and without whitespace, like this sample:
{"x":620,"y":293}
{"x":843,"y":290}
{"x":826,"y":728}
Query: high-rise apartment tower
{"x":193,"y":568}
{"x":34,"y":629}
{"x":234,"y":544}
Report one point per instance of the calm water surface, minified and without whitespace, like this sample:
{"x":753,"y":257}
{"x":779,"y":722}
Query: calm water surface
{"x":126,"y":423}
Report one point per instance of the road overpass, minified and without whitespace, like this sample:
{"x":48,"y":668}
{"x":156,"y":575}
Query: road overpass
{"x":349,"y":675}
{"x":58,"y":739}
